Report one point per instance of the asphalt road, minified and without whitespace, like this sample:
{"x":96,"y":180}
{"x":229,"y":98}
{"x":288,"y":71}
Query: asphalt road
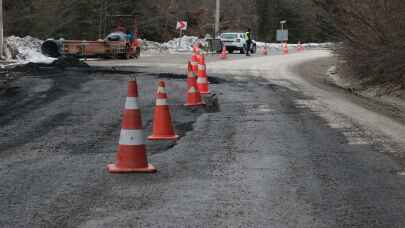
{"x":264,"y":160}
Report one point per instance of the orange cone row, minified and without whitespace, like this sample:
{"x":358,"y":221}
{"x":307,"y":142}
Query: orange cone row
{"x":131,"y":154}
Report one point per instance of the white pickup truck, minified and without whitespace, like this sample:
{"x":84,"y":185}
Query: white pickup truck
{"x":236,"y":41}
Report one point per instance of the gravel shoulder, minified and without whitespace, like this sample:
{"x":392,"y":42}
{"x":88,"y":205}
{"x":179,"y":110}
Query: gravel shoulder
{"x":316,"y":72}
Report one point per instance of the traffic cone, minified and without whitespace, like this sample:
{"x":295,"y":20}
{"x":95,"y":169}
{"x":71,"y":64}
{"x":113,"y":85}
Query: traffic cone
{"x":285,"y":48}
{"x":131,"y":155}
{"x":194,"y":61}
{"x":162,"y":125}
{"x":194,"y":97}
{"x":191,"y":77}
{"x":202,"y":80}
{"x":300,"y":47}
{"x":265,"y":51}
{"x":224,"y":53}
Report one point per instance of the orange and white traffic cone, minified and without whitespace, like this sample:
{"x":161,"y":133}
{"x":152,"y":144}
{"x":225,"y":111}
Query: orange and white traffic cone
{"x":285,"y":48}
{"x":194,"y":97}
{"x":224,"y":53}
{"x":162,"y":124}
{"x":131,"y":155}
{"x":300,"y":47}
{"x":191,"y":76}
{"x":194,"y":61}
{"x":202,"y":80}
{"x":265,"y":51}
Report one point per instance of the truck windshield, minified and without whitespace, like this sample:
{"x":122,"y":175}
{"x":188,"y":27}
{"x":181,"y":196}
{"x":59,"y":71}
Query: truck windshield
{"x":229,"y":36}
{"x":117,"y":36}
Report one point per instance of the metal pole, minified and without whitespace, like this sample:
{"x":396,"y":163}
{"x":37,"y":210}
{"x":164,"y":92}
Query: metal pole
{"x":179,"y":44}
{"x":1,"y":31}
{"x":217,"y":17}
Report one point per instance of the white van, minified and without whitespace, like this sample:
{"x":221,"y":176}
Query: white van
{"x":236,"y":41}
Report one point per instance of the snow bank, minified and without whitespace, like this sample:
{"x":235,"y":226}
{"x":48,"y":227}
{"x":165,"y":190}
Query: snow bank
{"x":278,"y":46}
{"x":152,"y":48}
{"x":182,"y":44}
{"x":177,"y":45}
{"x":25,"y":50}
{"x":185,"y":43}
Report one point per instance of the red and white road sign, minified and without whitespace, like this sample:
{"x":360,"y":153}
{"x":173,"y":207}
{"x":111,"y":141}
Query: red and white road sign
{"x":181,"y":25}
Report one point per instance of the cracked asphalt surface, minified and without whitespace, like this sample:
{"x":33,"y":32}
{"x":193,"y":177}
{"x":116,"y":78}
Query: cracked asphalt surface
{"x":262,"y":161}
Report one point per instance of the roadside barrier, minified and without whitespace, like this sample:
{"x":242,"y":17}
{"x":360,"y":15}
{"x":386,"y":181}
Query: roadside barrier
{"x":162,"y":123}
{"x":131,"y":155}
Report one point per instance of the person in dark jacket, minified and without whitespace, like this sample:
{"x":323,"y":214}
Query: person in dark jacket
{"x":248,"y":42}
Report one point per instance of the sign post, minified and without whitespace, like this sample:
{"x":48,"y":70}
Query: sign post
{"x":181,"y":26}
{"x":282,"y":34}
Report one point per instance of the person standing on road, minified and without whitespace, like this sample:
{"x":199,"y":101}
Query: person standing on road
{"x":130,"y":36}
{"x":248,"y":37}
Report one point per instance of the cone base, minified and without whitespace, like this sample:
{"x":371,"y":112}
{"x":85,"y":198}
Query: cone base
{"x":195,"y":105}
{"x":112,"y":168}
{"x":157,"y":137}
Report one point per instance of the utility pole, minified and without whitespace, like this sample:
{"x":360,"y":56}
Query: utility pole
{"x":100,"y":25}
{"x":1,"y":31}
{"x":217,"y":17}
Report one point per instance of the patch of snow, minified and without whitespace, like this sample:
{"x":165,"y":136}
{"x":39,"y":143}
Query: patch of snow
{"x":152,"y":48}
{"x":278,"y":46}
{"x":25,"y":49}
{"x":182,"y":44}
{"x":177,"y":45}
